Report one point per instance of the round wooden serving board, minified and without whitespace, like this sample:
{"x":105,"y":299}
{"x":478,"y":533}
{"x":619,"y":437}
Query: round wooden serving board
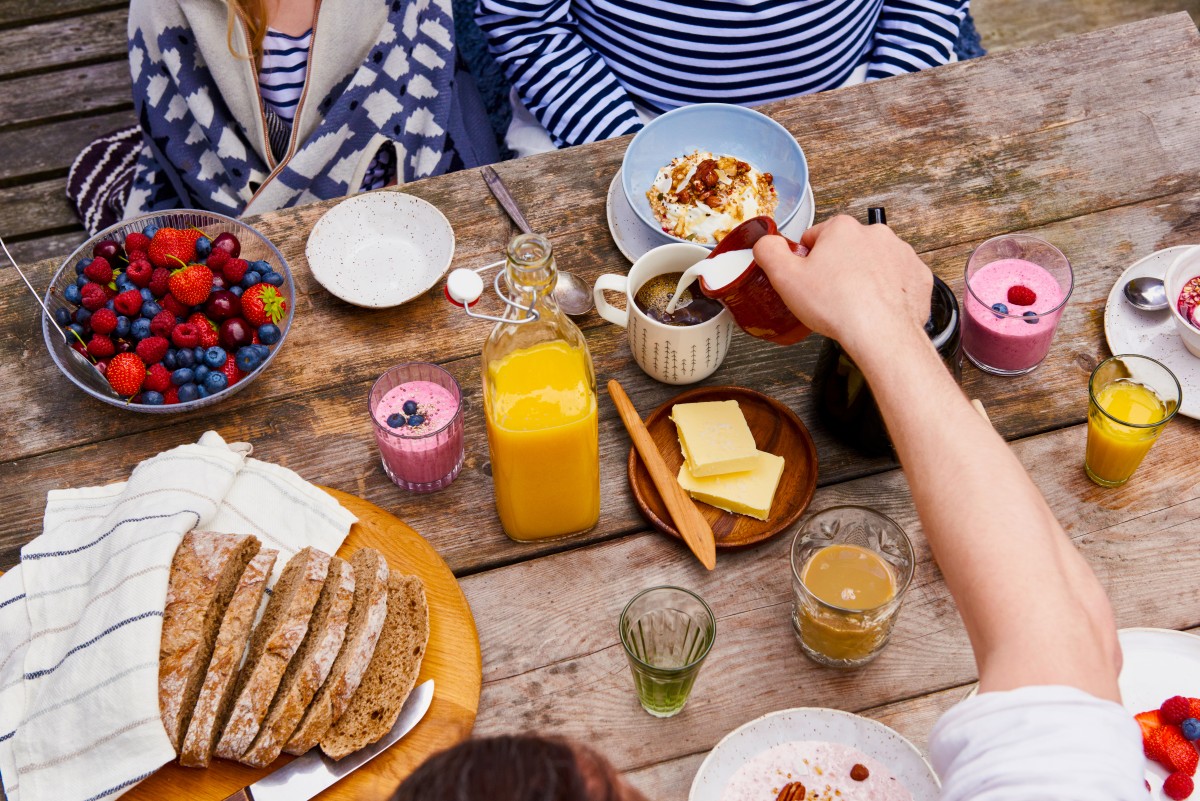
{"x":452,"y":660}
{"x":776,"y":430}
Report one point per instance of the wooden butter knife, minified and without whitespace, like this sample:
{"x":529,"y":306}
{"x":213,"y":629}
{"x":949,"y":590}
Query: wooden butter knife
{"x":694,"y":529}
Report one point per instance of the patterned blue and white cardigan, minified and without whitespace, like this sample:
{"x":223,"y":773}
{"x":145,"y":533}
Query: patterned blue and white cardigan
{"x":379,"y":71}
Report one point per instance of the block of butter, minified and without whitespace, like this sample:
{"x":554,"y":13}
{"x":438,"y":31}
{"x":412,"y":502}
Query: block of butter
{"x":714,"y":437}
{"x":749,"y":492}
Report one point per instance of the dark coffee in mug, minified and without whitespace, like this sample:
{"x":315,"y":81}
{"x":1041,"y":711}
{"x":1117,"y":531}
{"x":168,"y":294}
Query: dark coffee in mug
{"x":693,"y":307}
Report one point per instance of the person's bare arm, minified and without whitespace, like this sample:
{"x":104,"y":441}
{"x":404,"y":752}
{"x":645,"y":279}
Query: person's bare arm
{"x":1033,"y":609}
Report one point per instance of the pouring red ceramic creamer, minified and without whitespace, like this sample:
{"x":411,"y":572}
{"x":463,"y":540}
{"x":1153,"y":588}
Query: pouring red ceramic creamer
{"x":756,"y":307}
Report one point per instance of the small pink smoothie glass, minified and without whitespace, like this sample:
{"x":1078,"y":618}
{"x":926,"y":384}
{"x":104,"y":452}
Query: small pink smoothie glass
{"x":426,"y":456}
{"x":1016,"y":288}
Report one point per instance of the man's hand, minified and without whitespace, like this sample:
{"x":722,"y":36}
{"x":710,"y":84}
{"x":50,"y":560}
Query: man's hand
{"x":857,"y":283}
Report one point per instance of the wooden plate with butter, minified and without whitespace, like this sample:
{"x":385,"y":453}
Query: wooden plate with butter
{"x":775,"y":429}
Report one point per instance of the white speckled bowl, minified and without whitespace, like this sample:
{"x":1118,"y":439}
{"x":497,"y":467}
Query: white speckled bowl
{"x":380,"y":249}
{"x":810,"y":723}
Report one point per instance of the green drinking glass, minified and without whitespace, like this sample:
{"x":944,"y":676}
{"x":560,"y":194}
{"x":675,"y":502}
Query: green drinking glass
{"x":667,"y":633}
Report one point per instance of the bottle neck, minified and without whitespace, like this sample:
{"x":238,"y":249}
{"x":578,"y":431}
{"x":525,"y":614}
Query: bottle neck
{"x":529,"y":269}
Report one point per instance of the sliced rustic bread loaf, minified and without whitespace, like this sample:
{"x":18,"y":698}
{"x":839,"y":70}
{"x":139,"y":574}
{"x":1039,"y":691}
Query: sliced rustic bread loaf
{"x":274,"y":643}
{"x":362,"y":633}
{"x":309,"y":667}
{"x":216,"y":694}
{"x":204,"y":576}
{"x":390,"y":676}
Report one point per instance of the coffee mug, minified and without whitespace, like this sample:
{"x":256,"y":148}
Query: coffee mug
{"x":673,"y":354}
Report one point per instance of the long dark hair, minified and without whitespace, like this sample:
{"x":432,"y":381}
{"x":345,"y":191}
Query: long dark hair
{"x":516,"y":768}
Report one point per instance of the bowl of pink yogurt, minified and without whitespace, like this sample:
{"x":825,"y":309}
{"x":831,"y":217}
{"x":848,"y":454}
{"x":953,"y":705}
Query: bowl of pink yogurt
{"x":1183,"y":295}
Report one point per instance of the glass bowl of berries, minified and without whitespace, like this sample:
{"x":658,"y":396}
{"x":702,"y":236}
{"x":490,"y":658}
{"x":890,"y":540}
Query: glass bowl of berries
{"x":177,"y":310}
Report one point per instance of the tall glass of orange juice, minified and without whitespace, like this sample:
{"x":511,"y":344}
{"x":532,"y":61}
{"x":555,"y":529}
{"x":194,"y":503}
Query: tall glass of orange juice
{"x":1131,"y":400}
{"x":539,"y":396}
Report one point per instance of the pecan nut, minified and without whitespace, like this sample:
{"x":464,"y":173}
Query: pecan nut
{"x":859,"y":773}
{"x":792,"y":791}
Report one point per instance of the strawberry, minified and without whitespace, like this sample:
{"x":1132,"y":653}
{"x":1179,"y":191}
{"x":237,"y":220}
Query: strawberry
{"x":126,"y":374}
{"x":171,"y":303}
{"x":207,"y":329}
{"x":172,"y":248}
{"x":1021,"y":296}
{"x":1178,"y":786}
{"x":139,"y":272}
{"x":128,"y":302}
{"x":158,"y":378}
{"x":1181,"y":754}
{"x":185,"y":335}
{"x":137,"y":242}
{"x":104,"y":321}
{"x":159,"y":281}
{"x":1154,"y":747}
{"x":171,"y":395}
{"x":152,"y":349}
{"x":101,"y":347}
{"x":163,"y":324}
{"x":1194,"y":708}
{"x":231,"y":371}
{"x":235,"y":270}
{"x":262,"y":304}
{"x":218,"y":259}
{"x":1174,"y":710}
{"x":94,"y":296}
{"x":99,"y":270}
{"x":192,"y":284}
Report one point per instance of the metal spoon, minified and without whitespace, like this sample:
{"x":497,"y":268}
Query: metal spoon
{"x":572,"y":293}
{"x":79,"y":364}
{"x":1147,"y":293}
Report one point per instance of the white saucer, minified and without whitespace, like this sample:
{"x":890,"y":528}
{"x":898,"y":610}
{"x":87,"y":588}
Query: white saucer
{"x":1153,"y":334}
{"x":380,"y":249}
{"x":830,"y":725}
{"x":634,"y":238}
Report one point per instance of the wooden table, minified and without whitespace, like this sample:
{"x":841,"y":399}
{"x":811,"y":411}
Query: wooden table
{"x":1089,"y":142}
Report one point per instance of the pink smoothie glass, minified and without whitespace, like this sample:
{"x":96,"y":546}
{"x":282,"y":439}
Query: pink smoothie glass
{"x":1016,"y":289}
{"x":426,"y":455}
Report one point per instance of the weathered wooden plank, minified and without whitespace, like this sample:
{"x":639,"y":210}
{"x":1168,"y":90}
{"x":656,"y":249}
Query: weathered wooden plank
{"x":63,"y":42}
{"x":56,"y":245}
{"x":69,"y":93}
{"x":33,"y":208}
{"x":1010,"y":24}
{"x":24,"y":12}
{"x":552,"y":662}
{"x":49,"y":149}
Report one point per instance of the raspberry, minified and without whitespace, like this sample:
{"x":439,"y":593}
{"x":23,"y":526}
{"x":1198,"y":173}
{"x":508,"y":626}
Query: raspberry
{"x":99,"y":270}
{"x":104,"y":321}
{"x":158,"y":281}
{"x":207,"y":329}
{"x":163,"y":324}
{"x":171,"y":395}
{"x":171,"y":303}
{"x":1178,"y":786}
{"x":101,"y":347}
{"x":218,"y":259}
{"x":158,"y":378}
{"x":139,"y":242}
{"x":1175,"y":710}
{"x":185,"y":335}
{"x":152,"y":349}
{"x":128,"y":302}
{"x":139,"y":272}
{"x":1021,"y":296}
{"x":94,"y":297}
{"x":235,"y":270}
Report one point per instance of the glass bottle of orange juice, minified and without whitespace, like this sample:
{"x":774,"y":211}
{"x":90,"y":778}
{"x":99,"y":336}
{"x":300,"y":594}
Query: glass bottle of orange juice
{"x":539,"y":396}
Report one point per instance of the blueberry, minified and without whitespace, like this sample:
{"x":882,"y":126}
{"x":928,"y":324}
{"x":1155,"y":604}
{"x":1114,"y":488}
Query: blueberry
{"x":1027,"y":315}
{"x":140,"y":328}
{"x":202,"y":370}
{"x":999,"y":308}
{"x":76,"y":329}
{"x":62,"y":316}
{"x":203,"y":247}
{"x":73,"y":295}
{"x":272,"y":278}
{"x":269,"y":333}
{"x":202,"y":391}
{"x":215,"y":382}
{"x":188,"y":392}
{"x":146,"y":293}
{"x":183,"y":375}
{"x":1191,"y":729}
{"x":110,"y":306}
{"x":246,"y":359}
{"x":261,"y":350}
{"x":236,"y":290}
{"x":410,"y":407}
{"x":123,"y":327}
{"x":149,"y":231}
{"x":250,"y":279}
{"x":416,"y":420}
{"x":150,"y":309}
{"x":82,"y":265}
{"x":82,"y":316}
{"x":214,"y":357}
{"x":396,"y":420}
{"x":198,"y":352}
{"x":152,"y":398}
{"x":81,"y":281}
{"x":185,"y":358}
{"x":260,"y":266}
{"x":169,"y":360}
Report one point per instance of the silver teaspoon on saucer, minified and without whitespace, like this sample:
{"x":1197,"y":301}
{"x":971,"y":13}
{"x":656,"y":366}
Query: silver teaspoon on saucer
{"x":1147,"y":293}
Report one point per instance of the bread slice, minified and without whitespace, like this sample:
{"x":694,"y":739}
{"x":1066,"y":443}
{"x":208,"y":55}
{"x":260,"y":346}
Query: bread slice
{"x":309,"y":667}
{"x":274,"y":643}
{"x":362,"y":633}
{"x":216,"y":694}
{"x":390,"y":676}
{"x":204,"y":576}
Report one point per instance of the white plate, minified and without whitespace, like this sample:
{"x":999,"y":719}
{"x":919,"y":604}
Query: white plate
{"x":1158,"y":663}
{"x":1153,"y":334}
{"x":829,"y":725}
{"x":634,"y":238}
{"x":380,"y":249}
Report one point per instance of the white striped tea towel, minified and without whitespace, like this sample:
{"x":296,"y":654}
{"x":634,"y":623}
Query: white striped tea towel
{"x":81,"y":616}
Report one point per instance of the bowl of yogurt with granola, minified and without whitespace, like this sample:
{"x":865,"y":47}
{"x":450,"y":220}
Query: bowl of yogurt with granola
{"x":813,"y":754}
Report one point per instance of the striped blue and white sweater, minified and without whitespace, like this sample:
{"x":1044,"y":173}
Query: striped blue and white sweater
{"x":579,"y":66}
{"x":379,"y":71}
